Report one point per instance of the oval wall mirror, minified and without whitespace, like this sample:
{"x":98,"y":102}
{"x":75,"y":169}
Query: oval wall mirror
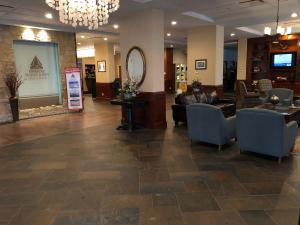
{"x":136,"y":65}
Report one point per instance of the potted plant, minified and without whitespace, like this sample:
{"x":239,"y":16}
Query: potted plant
{"x":196,"y":86}
{"x":13,"y":82}
{"x":129,"y":89}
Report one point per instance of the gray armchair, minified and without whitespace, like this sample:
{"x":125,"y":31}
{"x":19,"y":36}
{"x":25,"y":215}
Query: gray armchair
{"x":285,"y":95}
{"x":206,"y":123}
{"x":265,"y":131}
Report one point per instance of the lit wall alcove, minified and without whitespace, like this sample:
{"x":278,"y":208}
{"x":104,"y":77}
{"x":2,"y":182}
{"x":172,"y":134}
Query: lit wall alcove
{"x":38,"y":65}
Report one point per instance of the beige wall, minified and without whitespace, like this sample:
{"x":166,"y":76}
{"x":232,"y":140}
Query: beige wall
{"x":146,"y":30}
{"x":67,"y":56}
{"x":206,"y":42}
{"x":179,"y":56}
{"x":105,"y":51}
{"x":242,"y":59}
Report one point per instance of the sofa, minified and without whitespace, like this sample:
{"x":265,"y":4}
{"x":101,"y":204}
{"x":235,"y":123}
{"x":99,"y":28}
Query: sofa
{"x":181,"y":101}
{"x":206,"y":123}
{"x":265,"y":132}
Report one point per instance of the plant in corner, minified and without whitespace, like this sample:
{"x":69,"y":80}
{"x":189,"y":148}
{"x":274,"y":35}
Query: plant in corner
{"x":196,"y":86}
{"x":13,"y":81}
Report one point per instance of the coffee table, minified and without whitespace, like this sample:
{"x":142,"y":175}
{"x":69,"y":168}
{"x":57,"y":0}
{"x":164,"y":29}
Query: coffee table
{"x":290,"y":113}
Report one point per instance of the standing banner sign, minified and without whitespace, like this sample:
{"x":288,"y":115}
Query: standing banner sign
{"x":74,"y":90}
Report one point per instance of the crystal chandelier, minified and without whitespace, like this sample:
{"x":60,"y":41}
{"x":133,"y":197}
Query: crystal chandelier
{"x":88,"y":13}
{"x":279,"y":29}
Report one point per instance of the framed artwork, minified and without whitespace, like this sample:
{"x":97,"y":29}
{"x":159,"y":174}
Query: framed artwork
{"x":101,"y":66}
{"x":201,"y":64}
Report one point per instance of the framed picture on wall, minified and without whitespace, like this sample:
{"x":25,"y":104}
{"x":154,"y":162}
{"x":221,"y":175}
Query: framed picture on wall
{"x":101,"y":66}
{"x":200,"y":64}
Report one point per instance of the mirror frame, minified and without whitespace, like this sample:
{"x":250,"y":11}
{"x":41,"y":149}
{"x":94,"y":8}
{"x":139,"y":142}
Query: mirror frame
{"x":144,"y":63}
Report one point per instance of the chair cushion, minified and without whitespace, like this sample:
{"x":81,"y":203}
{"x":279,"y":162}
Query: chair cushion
{"x":190,"y":99}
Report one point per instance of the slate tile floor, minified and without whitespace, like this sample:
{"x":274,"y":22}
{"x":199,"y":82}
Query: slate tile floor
{"x":78,"y":170}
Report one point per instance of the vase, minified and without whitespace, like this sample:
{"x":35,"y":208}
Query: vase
{"x":127,"y":96}
{"x":14,"y":106}
{"x":274,"y":100}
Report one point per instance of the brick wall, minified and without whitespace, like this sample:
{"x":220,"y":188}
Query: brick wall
{"x":67,"y":56}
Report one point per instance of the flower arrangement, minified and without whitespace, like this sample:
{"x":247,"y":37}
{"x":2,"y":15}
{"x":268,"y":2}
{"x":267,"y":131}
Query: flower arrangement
{"x":130,"y":88}
{"x":13,"y":81}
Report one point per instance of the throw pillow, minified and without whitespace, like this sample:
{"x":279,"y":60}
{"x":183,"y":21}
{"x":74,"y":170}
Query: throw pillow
{"x":212,"y":97}
{"x":190,"y":99}
{"x":201,"y":97}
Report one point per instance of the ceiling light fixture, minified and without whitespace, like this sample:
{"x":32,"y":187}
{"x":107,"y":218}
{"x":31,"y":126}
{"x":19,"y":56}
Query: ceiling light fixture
{"x":49,"y":16}
{"x":116,"y":26}
{"x":169,"y":34}
{"x":88,"y":13}
{"x":105,"y":39}
{"x":232,"y":34}
{"x":279,"y":29}
{"x":82,"y":36}
{"x":294,"y":15}
{"x":174,"y":23}
{"x":171,"y":46}
{"x":79,"y":43}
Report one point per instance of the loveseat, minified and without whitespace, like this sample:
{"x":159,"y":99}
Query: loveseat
{"x":227,"y":106}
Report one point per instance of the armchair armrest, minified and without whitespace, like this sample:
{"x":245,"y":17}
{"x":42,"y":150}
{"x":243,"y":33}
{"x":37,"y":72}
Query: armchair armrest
{"x":290,"y":134}
{"x":231,"y":123}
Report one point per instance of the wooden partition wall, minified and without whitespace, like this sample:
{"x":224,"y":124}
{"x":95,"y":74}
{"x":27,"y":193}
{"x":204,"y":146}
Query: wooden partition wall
{"x":259,"y":61}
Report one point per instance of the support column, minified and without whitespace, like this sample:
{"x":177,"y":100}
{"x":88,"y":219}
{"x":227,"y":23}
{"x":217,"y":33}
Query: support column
{"x":207,"y":42}
{"x":104,"y":80}
{"x":146,"y":30}
{"x":242,"y":59}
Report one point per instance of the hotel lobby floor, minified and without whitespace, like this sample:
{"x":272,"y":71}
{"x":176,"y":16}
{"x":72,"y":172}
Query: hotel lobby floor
{"x":79,"y":170}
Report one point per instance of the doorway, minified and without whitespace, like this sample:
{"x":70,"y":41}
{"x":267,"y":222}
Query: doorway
{"x":230,"y":67}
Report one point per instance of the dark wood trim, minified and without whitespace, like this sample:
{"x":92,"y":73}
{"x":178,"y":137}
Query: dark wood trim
{"x":153,"y":115}
{"x":169,"y":71}
{"x":105,"y":91}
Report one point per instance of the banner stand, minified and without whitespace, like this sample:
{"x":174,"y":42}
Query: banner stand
{"x":74,"y":89}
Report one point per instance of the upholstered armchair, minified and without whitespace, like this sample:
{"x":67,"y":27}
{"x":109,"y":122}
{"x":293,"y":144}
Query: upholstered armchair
{"x":264,"y":85}
{"x":265,"y":131}
{"x":247,"y":99}
{"x":206,"y":123}
{"x":285,"y":95}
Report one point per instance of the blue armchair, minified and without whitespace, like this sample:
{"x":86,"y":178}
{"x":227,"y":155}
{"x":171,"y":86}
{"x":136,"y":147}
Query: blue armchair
{"x":285,"y":95}
{"x":265,"y":131}
{"x":206,"y":123}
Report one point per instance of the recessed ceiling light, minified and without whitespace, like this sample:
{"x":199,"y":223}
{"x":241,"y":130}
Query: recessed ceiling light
{"x":79,"y":43}
{"x":174,"y":23}
{"x":169,"y":34}
{"x":232,"y":34}
{"x":49,"y":16}
{"x":116,"y":26}
{"x":294,"y":15}
{"x":171,"y":46}
{"x":105,"y":39}
{"x":82,"y":36}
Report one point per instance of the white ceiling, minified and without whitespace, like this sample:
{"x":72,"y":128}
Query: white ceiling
{"x":228,"y":13}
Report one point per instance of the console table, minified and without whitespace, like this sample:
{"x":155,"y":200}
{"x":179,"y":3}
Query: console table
{"x":129,"y":105}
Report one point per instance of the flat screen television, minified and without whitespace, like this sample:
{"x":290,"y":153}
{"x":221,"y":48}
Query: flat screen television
{"x":283,"y":60}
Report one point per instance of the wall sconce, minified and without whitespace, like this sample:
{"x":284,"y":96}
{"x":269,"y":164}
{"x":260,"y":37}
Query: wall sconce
{"x":28,"y":35}
{"x":42,"y":36}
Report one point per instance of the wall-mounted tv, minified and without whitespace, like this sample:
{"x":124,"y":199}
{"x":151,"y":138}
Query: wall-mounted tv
{"x":283,"y":60}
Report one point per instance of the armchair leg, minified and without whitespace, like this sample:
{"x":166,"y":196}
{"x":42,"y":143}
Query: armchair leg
{"x":219,"y":147}
{"x":279,"y":160}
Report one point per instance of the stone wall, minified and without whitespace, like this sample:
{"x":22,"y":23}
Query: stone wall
{"x":67,"y":56}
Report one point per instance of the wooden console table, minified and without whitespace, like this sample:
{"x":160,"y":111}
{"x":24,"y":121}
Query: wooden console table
{"x":129,"y":105}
